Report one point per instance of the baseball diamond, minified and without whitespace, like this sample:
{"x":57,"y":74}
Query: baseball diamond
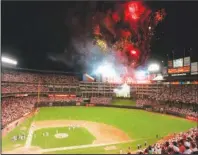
{"x":91,"y":129}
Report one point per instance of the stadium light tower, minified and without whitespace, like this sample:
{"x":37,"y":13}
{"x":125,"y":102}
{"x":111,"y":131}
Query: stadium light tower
{"x":6,"y":60}
{"x":153,"y":68}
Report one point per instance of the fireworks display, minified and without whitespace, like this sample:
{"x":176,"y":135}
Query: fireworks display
{"x":128,"y":30}
{"x":119,"y":33}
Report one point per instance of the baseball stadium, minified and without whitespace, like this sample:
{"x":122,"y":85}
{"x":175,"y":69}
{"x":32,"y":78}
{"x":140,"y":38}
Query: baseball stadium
{"x":49,"y":112}
{"x":99,"y":78}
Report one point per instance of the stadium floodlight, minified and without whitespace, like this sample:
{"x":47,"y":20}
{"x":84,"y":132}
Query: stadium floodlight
{"x":153,"y":68}
{"x":8,"y":61}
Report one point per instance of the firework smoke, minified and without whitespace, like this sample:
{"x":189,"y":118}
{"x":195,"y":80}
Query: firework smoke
{"x":120,"y":35}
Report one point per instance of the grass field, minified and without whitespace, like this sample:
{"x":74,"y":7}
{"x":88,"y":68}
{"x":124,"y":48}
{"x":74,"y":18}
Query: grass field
{"x":133,"y":122}
{"x":138,"y":124}
{"x":83,"y":136}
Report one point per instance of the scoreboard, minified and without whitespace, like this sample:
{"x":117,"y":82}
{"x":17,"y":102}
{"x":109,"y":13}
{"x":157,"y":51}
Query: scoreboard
{"x":178,"y":63}
{"x":179,"y":66}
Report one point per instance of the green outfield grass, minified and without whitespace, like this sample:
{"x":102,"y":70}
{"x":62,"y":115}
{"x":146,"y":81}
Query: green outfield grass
{"x":126,"y":102}
{"x":138,"y":124}
{"x":77,"y":136}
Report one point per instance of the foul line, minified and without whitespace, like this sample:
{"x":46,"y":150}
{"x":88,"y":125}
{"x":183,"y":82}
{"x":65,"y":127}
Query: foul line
{"x":87,"y":146}
{"x":82,"y":146}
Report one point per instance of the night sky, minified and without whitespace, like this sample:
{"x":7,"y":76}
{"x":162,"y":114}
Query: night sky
{"x":33,"y":32}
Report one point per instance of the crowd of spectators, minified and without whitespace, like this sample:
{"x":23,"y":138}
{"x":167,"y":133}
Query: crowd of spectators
{"x":15,"y":107}
{"x":8,"y":88}
{"x":25,"y":82}
{"x":181,"y":143}
{"x":31,"y":82}
{"x":23,"y":88}
{"x":166,"y":108}
{"x":189,"y":112}
{"x":100,"y":100}
{"x":177,"y":93}
{"x":26,"y":77}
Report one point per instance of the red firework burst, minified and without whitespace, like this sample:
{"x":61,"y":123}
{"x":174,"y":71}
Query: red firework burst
{"x":128,"y":30}
{"x":134,"y":10}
